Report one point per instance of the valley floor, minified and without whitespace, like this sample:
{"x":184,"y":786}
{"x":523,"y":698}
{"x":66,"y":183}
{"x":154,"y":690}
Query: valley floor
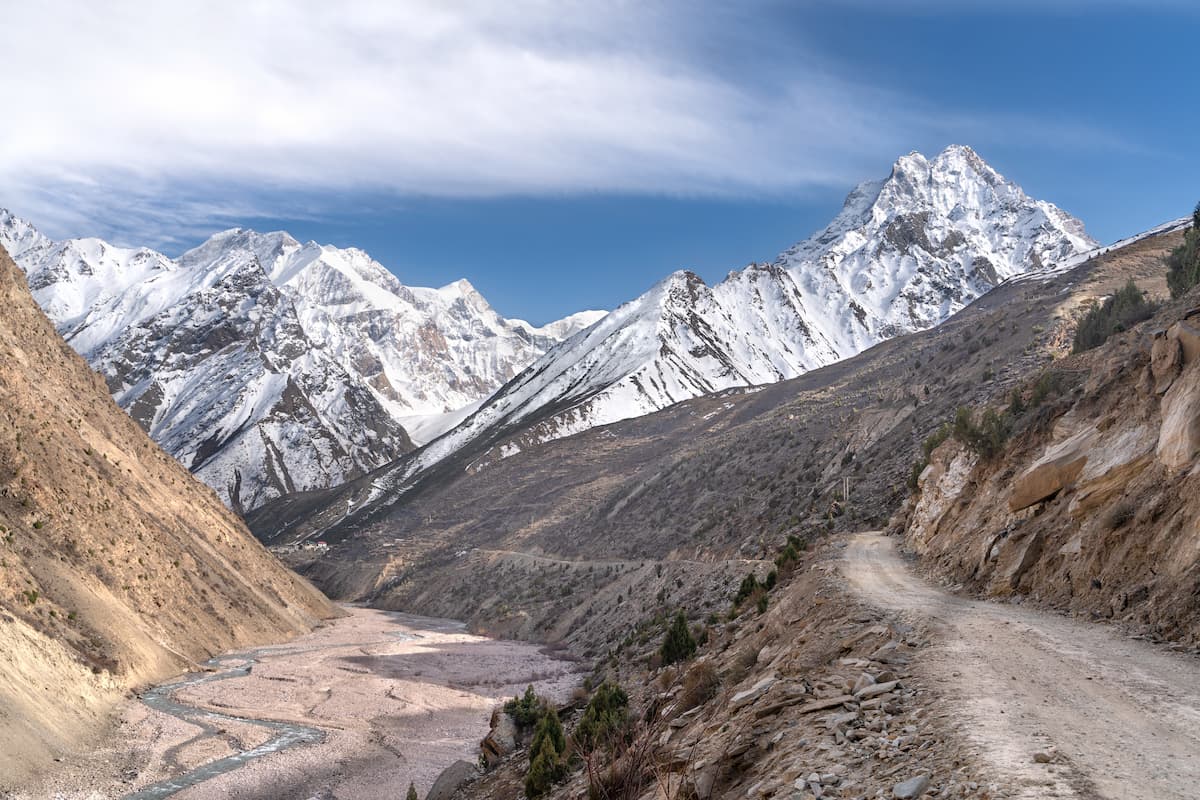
{"x":1110,"y":717}
{"x":396,"y":697}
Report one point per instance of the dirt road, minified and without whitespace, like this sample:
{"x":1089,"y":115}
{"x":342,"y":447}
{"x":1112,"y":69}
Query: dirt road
{"x":1119,"y":718}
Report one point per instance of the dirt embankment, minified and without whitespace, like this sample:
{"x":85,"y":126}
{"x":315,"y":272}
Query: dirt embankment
{"x":117,"y":568}
{"x":818,"y":695}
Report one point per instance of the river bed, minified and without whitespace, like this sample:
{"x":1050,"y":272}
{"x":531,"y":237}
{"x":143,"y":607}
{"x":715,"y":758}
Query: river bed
{"x":356,"y":709}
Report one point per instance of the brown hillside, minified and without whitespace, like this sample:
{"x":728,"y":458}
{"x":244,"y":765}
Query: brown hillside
{"x":117,"y":568}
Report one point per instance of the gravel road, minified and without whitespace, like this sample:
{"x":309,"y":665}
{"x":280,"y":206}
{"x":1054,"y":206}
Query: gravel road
{"x":1109,"y":716}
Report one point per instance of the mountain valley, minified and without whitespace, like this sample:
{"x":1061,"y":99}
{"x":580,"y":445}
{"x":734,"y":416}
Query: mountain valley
{"x":761,"y":510}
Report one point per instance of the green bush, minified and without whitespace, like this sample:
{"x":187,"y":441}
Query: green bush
{"x":412,"y":793}
{"x":748,"y":586}
{"x":678,"y":645}
{"x":1117,"y":313}
{"x":547,"y":756}
{"x":549,"y":727}
{"x":525,"y":710}
{"x":605,"y":718}
{"x":987,"y":437}
{"x":1183,"y":265}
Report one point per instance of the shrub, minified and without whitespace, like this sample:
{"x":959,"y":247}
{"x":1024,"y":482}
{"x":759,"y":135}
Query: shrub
{"x":1125,"y":308}
{"x":549,"y":727}
{"x":1048,"y":383}
{"x":604,"y":720}
{"x":986,"y":438}
{"x":1120,"y":514}
{"x":547,"y":762}
{"x":699,"y":686}
{"x":678,"y":645}
{"x":748,"y":586}
{"x":1183,"y":265}
{"x":1016,"y":403}
{"x":412,"y":793}
{"x":525,"y":710}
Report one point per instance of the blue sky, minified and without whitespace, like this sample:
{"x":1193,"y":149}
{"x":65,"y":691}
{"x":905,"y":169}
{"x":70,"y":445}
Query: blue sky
{"x":565,"y":155}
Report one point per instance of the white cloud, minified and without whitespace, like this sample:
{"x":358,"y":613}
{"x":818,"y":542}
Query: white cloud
{"x":148,"y":110}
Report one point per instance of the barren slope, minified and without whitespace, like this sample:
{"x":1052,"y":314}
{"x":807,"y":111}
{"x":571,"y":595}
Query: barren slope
{"x":117,"y":568}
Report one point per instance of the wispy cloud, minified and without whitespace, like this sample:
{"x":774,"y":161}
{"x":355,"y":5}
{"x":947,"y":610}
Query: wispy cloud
{"x":141,"y":113}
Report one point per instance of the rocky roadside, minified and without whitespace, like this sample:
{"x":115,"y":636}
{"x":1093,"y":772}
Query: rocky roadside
{"x":820,"y":696}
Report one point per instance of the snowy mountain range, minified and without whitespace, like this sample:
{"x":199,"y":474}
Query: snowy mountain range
{"x":267,"y":366}
{"x":903,"y":255}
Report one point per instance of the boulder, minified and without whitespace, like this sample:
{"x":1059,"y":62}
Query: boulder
{"x":913,"y":787}
{"x":748,"y":696}
{"x":451,"y":779}
{"x":1117,"y":457}
{"x":1045,"y":480}
{"x":1025,"y":556}
{"x":502,"y":739}
{"x":876,"y":689}
{"x":1056,"y":470}
{"x":1187,"y":333}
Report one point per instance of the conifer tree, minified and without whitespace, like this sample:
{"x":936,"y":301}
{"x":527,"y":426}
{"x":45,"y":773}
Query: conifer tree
{"x":679,"y":644}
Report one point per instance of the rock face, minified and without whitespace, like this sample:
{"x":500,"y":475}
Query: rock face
{"x":118,"y":567}
{"x":1054,"y":471}
{"x":268,"y":366}
{"x":1177,"y":377}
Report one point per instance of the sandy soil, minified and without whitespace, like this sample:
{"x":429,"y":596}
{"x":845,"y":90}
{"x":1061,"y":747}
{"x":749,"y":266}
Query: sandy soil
{"x":398,"y":697}
{"x":1118,"y":718}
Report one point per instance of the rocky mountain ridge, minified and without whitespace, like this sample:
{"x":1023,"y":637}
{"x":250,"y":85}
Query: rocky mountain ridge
{"x":268,"y":366}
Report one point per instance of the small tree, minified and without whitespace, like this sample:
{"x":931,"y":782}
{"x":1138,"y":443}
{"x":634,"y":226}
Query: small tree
{"x":679,"y":643}
{"x":412,"y":793}
{"x":549,"y":727}
{"x":547,"y":762}
{"x":604,"y":719}
{"x":1183,"y":265}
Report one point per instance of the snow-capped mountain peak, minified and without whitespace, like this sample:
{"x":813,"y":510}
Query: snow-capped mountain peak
{"x":902,"y":254}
